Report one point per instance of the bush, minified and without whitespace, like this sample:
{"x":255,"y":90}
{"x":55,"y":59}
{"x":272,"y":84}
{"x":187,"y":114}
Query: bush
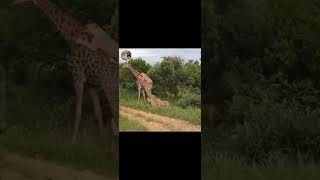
{"x":189,"y":98}
{"x":266,"y":129}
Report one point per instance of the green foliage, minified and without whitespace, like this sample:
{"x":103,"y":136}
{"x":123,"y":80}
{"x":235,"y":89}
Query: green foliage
{"x":189,"y":98}
{"x":165,"y":75}
{"x":266,"y":128}
{"x":193,"y":70}
{"x":262,"y":58}
{"x":222,"y":167}
{"x":173,"y":72}
{"x":140,"y":64}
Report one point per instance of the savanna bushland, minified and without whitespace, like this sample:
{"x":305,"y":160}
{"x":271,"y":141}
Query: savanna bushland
{"x":37,"y":94}
{"x":174,"y":79}
{"x":261,"y":67}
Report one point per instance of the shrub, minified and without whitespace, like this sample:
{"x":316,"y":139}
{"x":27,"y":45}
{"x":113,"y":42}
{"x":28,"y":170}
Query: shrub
{"x":189,"y":98}
{"x":260,"y":130}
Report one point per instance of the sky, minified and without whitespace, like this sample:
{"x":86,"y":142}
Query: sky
{"x":153,"y":56}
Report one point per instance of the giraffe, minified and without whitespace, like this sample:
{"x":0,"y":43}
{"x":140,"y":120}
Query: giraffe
{"x":143,"y":82}
{"x":93,"y":60}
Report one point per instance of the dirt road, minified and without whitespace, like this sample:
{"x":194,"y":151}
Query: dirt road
{"x":153,"y":122}
{"x":16,"y":167}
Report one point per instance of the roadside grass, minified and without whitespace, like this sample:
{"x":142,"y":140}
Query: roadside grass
{"x":220,"y":163}
{"x":40,"y":127}
{"x":222,"y":168}
{"x":87,"y":153}
{"x":126,"y":125}
{"x":129,"y":98}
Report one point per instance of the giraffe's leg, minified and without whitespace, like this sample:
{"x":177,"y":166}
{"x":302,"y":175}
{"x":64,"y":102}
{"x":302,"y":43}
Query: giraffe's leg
{"x":97,"y":110}
{"x":139,"y":92}
{"x":144,"y":95}
{"x":79,"y":87}
{"x":113,"y":101}
{"x":113,"y":124}
{"x":109,"y":84}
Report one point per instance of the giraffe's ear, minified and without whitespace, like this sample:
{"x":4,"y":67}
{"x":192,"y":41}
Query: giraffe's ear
{"x":19,"y":1}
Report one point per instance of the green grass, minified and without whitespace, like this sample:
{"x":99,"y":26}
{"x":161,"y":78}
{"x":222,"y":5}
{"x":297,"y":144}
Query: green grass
{"x":220,"y":163}
{"x":88,"y":153}
{"x":221,"y":168}
{"x":129,"y":98}
{"x":126,"y":125}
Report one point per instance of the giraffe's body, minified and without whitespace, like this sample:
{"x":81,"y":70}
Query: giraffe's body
{"x":94,"y":70}
{"x":93,"y":59}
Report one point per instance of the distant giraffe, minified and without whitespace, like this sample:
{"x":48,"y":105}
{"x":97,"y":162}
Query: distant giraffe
{"x":93,"y":59}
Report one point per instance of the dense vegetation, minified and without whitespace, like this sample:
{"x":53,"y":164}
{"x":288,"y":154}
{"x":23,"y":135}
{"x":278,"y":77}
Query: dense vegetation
{"x":261,"y":63}
{"x":36,"y":92}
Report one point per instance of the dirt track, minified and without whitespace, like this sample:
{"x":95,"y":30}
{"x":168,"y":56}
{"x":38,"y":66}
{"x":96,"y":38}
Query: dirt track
{"x":16,"y":167}
{"x":153,"y":122}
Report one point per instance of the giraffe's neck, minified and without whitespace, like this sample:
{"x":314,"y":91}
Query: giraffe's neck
{"x":67,"y":25}
{"x":134,"y":72}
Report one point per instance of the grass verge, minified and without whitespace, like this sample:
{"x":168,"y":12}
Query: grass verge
{"x":129,"y":98}
{"x":88,"y":153}
{"x":126,"y":125}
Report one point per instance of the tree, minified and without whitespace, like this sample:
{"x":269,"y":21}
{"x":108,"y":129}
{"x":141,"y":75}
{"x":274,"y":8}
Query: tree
{"x":193,"y":70}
